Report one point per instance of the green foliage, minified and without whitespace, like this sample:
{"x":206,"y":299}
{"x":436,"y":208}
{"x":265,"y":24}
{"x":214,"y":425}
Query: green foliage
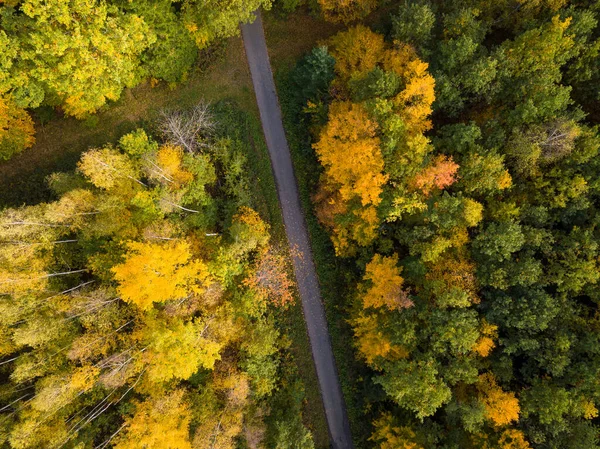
{"x":172,"y":55}
{"x":414,"y":24}
{"x":493,"y":216}
{"x":313,"y":75}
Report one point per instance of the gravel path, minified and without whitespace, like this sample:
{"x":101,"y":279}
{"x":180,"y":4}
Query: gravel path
{"x":295,"y":227}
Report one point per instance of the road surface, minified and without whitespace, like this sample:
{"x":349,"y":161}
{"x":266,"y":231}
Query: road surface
{"x":295,"y":227}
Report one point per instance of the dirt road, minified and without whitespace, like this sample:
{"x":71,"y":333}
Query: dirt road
{"x":295,"y":226}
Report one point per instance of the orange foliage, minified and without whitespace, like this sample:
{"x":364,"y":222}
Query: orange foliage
{"x":346,"y":10}
{"x":385,"y":284}
{"x":456,"y":273}
{"x":328,"y":203}
{"x":501,"y":407}
{"x":270,"y":279}
{"x":356,"y":51}
{"x":349,"y":150}
{"x":439,"y":174}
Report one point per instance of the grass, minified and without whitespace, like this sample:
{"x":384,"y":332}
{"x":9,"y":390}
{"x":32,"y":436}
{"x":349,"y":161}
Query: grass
{"x":61,"y":140}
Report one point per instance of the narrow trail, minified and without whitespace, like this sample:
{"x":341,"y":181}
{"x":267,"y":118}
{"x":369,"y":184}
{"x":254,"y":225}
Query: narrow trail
{"x":297,"y":234}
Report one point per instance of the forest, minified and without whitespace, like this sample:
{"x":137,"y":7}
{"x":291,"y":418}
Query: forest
{"x":447,"y":156}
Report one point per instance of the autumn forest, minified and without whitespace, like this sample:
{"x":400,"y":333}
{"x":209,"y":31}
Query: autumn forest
{"x":447,"y":157}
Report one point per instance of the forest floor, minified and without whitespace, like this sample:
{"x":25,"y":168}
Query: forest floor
{"x":61,"y":140}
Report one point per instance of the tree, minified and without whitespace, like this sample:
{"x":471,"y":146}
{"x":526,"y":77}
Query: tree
{"x":500,"y":407}
{"x":61,"y":62}
{"x":176,"y":350}
{"x":271,"y":279}
{"x":383,"y":284}
{"x":314,"y":73}
{"x":174,"y":52}
{"x":349,"y":150}
{"x":439,"y":174}
{"x":414,"y":24}
{"x":346,"y":10}
{"x":416,"y":386}
{"x":389,"y":435}
{"x":372,"y":342}
{"x":356,"y":51}
{"x":158,"y":422}
{"x":155,"y":272}
{"x":16,"y":129}
{"x":210,"y":20}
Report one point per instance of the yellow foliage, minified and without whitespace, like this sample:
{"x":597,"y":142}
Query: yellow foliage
{"x":16,"y":129}
{"x":500,"y":407}
{"x":472,"y":212}
{"x":385,"y":287}
{"x":161,"y":422}
{"x":362,"y":229}
{"x":372,"y":342}
{"x":486,"y":343}
{"x":108,"y":169}
{"x":178,"y":350}
{"x":346,"y":10}
{"x":397,"y":59}
{"x":415,"y":100}
{"x":158,"y":272}
{"x":387,"y":435}
{"x":513,"y":439}
{"x":349,"y":150}
{"x":589,"y":409}
{"x":169,"y":160}
{"x":356,"y":51}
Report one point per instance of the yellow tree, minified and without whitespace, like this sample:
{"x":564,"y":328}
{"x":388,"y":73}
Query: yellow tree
{"x":16,"y":129}
{"x":414,"y":102}
{"x":155,"y":272}
{"x":383,"y":284}
{"x":372,"y":342}
{"x":176,"y":350}
{"x":221,"y":424}
{"x":353,"y":180}
{"x":168,"y":168}
{"x":356,"y":51}
{"x":513,"y":439}
{"x":79,"y":52}
{"x":160,"y":422}
{"x":501,"y":407}
{"x":348,"y":148}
